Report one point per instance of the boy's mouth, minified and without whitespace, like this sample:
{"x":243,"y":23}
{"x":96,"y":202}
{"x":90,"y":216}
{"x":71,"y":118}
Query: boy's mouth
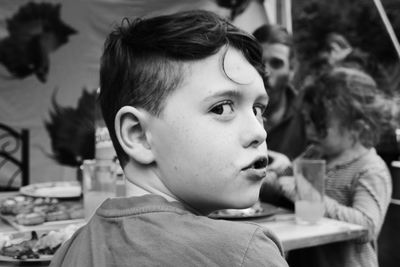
{"x":259,"y":163}
{"x":256,"y":170}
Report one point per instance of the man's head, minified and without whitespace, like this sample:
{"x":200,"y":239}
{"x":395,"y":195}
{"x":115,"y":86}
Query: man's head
{"x":183,"y":96}
{"x":277,"y":47}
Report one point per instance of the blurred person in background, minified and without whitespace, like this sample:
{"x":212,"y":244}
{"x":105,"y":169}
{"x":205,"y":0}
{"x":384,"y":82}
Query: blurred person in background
{"x":285,"y":125}
{"x":345,"y":114}
{"x":338,"y":51}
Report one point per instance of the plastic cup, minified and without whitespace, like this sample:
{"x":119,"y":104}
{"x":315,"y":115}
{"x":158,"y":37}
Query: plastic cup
{"x":309,"y":183}
{"x":98,"y":184}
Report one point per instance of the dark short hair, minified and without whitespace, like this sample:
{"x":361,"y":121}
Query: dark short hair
{"x":352,"y":96}
{"x":142,"y":61}
{"x":273,"y":34}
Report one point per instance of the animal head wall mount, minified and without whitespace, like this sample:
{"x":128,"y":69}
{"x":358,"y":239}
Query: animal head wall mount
{"x":35,"y":31}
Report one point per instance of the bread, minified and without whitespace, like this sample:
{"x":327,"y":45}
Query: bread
{"x":30,"y":218}
{"x":57,"y":215}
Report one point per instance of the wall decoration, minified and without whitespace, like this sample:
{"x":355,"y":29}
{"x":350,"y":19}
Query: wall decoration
{"x":35,"y":31}
{"x":71,"y":130}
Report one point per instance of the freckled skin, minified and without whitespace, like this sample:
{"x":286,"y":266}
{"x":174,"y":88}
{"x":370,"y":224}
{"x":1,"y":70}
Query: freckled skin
{"x":199,"y":153}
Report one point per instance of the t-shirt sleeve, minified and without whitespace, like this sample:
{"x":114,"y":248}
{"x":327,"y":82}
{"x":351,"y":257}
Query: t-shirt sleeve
{"x":264,"y":249}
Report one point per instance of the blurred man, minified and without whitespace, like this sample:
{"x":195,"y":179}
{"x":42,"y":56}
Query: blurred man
{"x":284,"y":122}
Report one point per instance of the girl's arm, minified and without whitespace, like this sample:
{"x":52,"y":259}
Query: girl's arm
{"x":372,"y":193}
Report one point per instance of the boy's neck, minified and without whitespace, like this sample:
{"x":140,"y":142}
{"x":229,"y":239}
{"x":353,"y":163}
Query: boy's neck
{"x":133,"y":190}
{"x":144,"y":181}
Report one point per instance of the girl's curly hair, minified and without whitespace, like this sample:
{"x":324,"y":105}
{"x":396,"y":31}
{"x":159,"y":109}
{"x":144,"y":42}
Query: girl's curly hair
{"x":351,"y":96}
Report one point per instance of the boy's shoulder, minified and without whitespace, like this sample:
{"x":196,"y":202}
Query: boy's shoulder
{"x":175,"y":217}
{"x":171,"y":235}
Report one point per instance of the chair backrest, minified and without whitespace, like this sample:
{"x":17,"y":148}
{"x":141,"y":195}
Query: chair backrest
{"x":14,"y":158}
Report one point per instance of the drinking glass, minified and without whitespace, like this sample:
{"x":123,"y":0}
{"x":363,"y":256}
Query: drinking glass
{"x":98,"y":184}
{"x":309,"y":183}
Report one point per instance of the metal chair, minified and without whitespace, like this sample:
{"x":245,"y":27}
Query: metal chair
{"x":14,"y":158}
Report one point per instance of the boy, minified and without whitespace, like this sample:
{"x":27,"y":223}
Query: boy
{"x":183,"y":98}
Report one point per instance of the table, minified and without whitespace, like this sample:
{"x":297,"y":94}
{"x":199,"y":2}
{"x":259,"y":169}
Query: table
{"x":295,"y":236}
{"x":291,"y":234}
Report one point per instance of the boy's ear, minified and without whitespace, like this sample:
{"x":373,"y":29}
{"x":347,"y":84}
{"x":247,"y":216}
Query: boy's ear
{"x":130,"y":130}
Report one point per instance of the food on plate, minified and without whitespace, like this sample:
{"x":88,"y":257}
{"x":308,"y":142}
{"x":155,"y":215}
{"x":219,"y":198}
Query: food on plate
{"x":50,"y":242}
{"x":20,"y":248}
{"x":31,"y":210}
{"x":22,"y":204}
{"x":57,"y":215}
{"x":76,"y":211}
{"x":31,"y":218}
{"x":32,"y":245}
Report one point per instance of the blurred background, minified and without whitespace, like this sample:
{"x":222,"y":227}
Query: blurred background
{"x":50,"y":50}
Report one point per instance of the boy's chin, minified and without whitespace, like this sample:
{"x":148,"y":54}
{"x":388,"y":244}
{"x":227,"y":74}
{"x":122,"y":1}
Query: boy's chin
{"x":245,"y":203}
{"x":243,"y":200}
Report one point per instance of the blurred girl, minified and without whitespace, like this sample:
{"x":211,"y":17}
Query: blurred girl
{"x":345,"y":115}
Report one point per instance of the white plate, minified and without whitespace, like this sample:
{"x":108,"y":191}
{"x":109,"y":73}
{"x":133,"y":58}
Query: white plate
{"x":53,"y":189}
{"x":266,"y":210}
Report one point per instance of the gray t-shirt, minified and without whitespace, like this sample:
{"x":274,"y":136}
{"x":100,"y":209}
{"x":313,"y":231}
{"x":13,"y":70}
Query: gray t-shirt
{"x":150,"y":231}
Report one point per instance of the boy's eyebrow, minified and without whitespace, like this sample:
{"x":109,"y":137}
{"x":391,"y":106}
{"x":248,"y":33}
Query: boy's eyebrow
{"x":232,"y":93}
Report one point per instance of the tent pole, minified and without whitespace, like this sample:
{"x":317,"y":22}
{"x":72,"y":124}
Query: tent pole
{"x":388,"y":26}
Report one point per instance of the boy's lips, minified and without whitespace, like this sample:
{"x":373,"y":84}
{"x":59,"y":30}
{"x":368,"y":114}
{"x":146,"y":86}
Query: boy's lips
{"x":257,"y":163}
{"x":257,"y":168}
{"x":256,"y":174}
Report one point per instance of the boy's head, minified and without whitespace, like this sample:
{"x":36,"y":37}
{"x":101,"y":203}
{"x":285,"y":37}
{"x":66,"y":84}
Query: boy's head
{"x":349,"y":98}
{"x":182,"y":96}
{"x":278,"y":56}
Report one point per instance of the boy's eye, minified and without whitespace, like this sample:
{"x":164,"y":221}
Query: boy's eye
{"x":225,"y":108}
{"x":259,"y":111}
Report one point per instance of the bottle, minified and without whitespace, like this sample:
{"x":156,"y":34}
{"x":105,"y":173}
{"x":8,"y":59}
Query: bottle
{"x":99,"y":180}
{"x":104,"y":149}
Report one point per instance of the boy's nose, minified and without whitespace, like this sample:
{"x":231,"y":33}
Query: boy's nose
{"x":253,"y":133}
